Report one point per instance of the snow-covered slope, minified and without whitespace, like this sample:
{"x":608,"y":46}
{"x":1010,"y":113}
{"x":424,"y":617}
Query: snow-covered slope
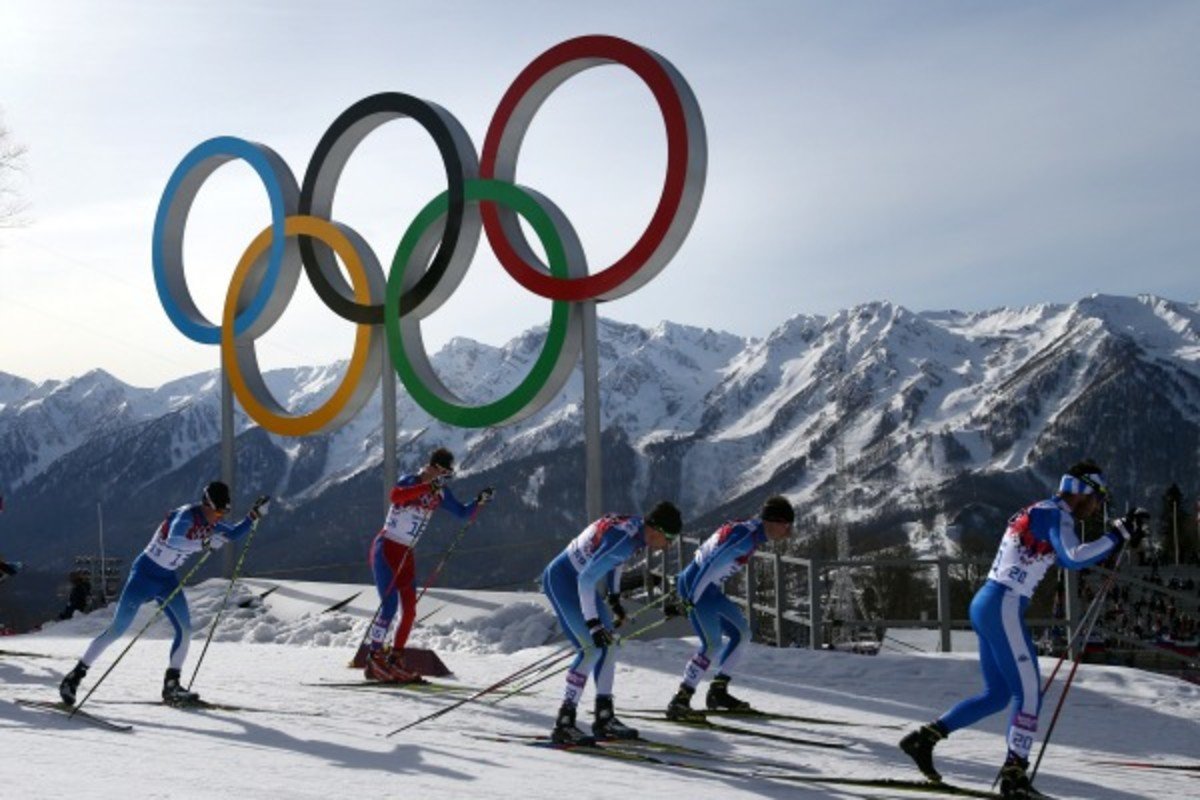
{"x":307,"y":741}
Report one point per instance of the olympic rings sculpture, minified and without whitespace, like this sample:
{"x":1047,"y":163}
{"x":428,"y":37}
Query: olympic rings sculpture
{"x":435,"y":251}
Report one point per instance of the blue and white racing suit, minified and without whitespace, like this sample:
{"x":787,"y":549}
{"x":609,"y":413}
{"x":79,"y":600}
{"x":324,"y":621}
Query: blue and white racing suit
{"x":600,"y":552}
{"x":1036,"y":537}
{"x":712,"y":613}
{"x":154,"y":576}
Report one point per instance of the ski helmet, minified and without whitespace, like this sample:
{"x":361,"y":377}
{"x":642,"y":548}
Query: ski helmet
{"x":442,"y":458}
{"x":666,"y":517}
{"x":777,"y":509}
{"x":216,"y":496}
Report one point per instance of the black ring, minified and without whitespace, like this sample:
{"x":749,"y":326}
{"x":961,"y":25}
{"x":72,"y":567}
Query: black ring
{"x":357,"y":122}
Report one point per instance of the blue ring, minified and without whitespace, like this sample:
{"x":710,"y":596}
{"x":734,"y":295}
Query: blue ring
{"x":222,"y":149}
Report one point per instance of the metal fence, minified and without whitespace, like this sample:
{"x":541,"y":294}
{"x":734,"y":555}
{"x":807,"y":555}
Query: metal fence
{"x":786,"y":598}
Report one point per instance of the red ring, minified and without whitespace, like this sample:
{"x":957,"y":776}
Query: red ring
{"x":645,"y":66}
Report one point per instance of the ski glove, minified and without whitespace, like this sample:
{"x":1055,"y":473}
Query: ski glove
{"x":1131,"y":527}
{"x":618,"y":610}
{"x":601,"y":636}
{"x":676,"y":606}
{"x":261,"y":504}
{"x":485,"y":496}
{"x":10,"y":567}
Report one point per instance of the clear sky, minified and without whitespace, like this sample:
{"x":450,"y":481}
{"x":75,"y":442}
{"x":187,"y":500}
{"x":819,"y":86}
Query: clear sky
{"x":937,"y":154}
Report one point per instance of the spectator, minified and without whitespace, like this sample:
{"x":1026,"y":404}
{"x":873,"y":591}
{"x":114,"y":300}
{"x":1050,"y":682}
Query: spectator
{"x":80,"y":598}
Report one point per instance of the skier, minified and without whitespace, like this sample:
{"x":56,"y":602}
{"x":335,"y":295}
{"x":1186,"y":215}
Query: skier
{"x":154,"y":576}
{"x":711,"y":613}
{"x":1035,"y":538}
{"x":570,"y":580}
{"x":414,"y":499}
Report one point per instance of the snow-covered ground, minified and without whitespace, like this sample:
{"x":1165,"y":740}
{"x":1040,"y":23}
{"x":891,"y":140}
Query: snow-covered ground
{"x":320,"y":742}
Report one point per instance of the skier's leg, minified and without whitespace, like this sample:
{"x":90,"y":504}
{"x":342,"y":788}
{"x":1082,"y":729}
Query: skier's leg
{"x":560,"y":583}
{"x":181,"y":620}
{"x":138,"y":589}
{"x":736,"y":629}
{"x":705,"y":621}
{"x":996,"y":694}
{"x":1018,"y":662}
{"x":385,"y":584}
{"x":406,"y":586}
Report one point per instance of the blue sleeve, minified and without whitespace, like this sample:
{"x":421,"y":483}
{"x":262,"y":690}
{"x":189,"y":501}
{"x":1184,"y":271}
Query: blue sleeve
{"x":180,"y":525}
{"x":452,"y":504}
{"x":737,"y":545}
{"x":1071,"y":553}
{"x":234,"y":532}
{"x":611,"y":554}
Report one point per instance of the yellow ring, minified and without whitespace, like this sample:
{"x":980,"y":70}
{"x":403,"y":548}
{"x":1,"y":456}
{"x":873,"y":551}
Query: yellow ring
{"x":329,"y":414}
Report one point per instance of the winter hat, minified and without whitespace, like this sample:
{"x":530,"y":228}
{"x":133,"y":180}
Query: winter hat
{"x":442,"y":458}
{"x":777,"y":509}
{"x":666,"y":518}
{"x":216,"y":496}
{"x":1084,"y":478}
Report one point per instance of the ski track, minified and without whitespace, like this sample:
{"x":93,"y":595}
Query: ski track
{"x":260,"y":660}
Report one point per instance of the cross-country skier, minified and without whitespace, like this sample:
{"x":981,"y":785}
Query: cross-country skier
{"x":711,"y":613}
{"x":599,"y":553}
{"x":1036,"y":537}
{"x":154,"y":576}
{"x":414,"y":499}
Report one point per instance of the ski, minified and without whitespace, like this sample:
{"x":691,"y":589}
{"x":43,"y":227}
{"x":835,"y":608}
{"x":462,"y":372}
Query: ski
{"x":74,"y":713}
{"x":608,"y":751}
{"x":204,"y":705}
{"x":612,"y":750}
{"x":709,"y":725}
{"x":754,"y":713}
{"x":24,"y":654}
{"x":671,"y":748}
{"x":1150,"y":765}
{"x":424,"y":687}
{"x":892,"y":784}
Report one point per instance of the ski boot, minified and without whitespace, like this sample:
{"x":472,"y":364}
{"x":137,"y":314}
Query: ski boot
{"x":680,"y":708}
{"x":1014,"y":781}
{"x":70,"y":683}
{"x":173,"y":694}
{"x":389,"y":668}
{"x":606,"y":725}
{"x":719,"y":697}
{"x":565,"y":732}
{"x":919,"y":745}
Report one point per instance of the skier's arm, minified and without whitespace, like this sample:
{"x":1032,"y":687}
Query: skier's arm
{"x":718,"y":564}
{"x":612,"y":552}
{"x":1072,"y":553}
{"x":232,"y":533}
{"x":406,"y":494}
{"x":452,"y":504}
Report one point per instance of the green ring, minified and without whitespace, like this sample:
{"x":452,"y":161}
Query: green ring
{"x":503,"y":409}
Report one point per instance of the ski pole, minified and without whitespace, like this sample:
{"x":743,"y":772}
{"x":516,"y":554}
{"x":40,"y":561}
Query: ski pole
{"x":1071,"y":675}
{"x":571,"y":648}
{"x":432,"y":579}
{"x":1091,"y":611}
{"x":549,"y":675}
{"x":557,"y":655}
{"x":237,"y":570}
{"x":146,"y":627}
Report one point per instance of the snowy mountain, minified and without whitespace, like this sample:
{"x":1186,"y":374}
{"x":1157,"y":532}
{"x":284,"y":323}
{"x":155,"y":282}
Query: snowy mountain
{"x":940,"y":418}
